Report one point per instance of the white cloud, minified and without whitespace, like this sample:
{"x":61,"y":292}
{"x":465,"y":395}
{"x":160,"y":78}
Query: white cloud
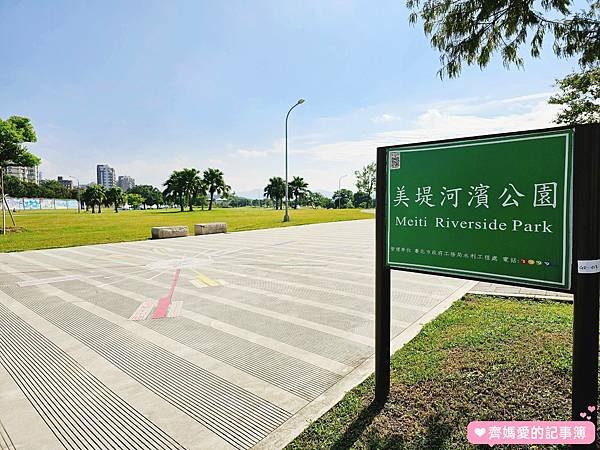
{"x":385,"y":118}
{"x":433,"y":124}
{"x":329,"y":152}
{"x":251,"y":154}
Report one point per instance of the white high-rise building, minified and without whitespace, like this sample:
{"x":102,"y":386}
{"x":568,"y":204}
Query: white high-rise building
{"x":125,"y":182}
{"x":31,"y":174}
{"x":105,"y":175}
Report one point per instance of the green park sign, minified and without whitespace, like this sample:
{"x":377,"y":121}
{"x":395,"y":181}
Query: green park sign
{"x":491,"y":208}
{"x":518,"y":208}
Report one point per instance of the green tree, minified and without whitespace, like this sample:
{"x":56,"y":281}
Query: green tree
{"x":152,"y":196}
{"x":275,"y":190}
{"x":201,"y":199}
{"x":317,"y":200}
{"x":175,"y":189}
{"x":14,"y":187}
{"x":215,"y":183}
{"x":15,"y":132}
{"x":184,"y":187}
{"x":580,"y":97}
{"x":116,"y":197}
{"x":99,"y":196}
{"x":32,"y":190}
{"x":95,"y":195}
{"x":471,"y":31}
{"x":53,"y":189}
{"x":192,"y":185}
{"x":86,"y":198}
{"x":134,"y":200}
{"x":362,"y":200}
{"x":299,"y":189}
{"x":366,"y":179}
{"x":342,"y":198}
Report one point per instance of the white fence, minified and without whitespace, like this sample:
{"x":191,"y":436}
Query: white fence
{"x":40,"y":203}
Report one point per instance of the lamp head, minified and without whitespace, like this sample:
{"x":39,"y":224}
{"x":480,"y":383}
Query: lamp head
{"x":300,"y":101}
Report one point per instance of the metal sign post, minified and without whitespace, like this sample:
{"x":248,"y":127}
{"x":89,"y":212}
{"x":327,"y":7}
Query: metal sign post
{"x":586,"y":268}
{"x":382,"y":287}
{"x":514,"y":208}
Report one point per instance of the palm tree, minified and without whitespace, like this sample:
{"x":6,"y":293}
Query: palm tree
{"x":192,"y":185}
{"x":299,"y":189}
{"x":275,"y":190}
{"x":95,"y":196}
{"x":184,"y":186}
{"x":99,"y":196}
{"x":87,"y":199}
{"x":215,"y":183}
{"x":115,"y":196}
{"x":175,"y":188}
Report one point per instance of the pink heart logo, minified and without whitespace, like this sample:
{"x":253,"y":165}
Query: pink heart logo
{"x":479,"y":431}
{"x":582,"y":415}
{"x":588,"y":417}
{"x":591,"y":408}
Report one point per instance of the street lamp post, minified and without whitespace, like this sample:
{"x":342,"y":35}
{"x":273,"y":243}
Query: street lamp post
{"x":286,"y":217}
{"x":339,"y":191}
{"x":78,"y":195}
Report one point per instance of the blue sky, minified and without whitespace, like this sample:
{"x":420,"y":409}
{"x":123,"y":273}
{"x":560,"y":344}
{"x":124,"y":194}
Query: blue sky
{"x":149,"y":87}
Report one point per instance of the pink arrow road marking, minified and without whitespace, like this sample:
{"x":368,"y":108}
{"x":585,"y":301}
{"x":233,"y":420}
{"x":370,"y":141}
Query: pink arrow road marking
{"x":163,"y":304}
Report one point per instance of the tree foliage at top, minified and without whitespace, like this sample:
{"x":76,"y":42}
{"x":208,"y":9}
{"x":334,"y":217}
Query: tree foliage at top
{"x":15,"y":132}
{"x":116,"y":197}
{"x":471,"y":31}
{"x":318,"y":200}
{"x":366,"y":178}
{"x":94,"y":195}
{"x":580,"y":97}
{"x":151,"y":195}
{"x":14,"y":187}
{"x":275,"y":190}
{"x":184,"y":186}
{"x":134,"y":200}
{"x":298,"y":188}
{"x":342,"y":199}
{"x":215,"y":183}
{"x":174,"y":189}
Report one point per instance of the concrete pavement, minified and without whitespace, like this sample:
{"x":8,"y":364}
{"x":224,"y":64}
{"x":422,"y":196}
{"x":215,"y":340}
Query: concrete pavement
{"x":220,"y":341}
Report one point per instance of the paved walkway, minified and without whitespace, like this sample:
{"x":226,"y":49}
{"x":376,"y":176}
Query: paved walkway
{"x":222,"y":341}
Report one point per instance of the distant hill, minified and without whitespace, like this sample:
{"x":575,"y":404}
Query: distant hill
{"x":252,"y":194}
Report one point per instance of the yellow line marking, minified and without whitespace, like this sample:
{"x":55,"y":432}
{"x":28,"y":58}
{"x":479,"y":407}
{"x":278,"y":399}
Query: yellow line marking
{"x":198,"y":284}
{"x":206,"y":280}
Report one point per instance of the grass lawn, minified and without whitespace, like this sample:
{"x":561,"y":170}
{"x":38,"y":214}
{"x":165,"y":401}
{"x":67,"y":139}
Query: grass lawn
{"x":483,"y":359}
{"x":48,"y":229}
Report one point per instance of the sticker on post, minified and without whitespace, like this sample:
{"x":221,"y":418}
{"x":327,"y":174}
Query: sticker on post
{"x":588,"y":266}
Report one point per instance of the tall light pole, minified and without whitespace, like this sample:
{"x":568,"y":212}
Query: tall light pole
{"x":286,"y":217}
{"x":339,"y":189}
{"x":78,"y":195}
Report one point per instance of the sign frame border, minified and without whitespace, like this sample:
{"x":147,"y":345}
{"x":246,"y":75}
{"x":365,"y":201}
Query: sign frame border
{"x":568,"y":269}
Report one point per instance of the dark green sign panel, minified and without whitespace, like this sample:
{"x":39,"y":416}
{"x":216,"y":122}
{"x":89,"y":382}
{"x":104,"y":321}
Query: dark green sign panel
{"x":486,"y":208}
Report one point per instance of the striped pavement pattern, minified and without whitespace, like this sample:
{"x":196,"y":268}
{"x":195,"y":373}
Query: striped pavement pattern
{"x":219,"y":341}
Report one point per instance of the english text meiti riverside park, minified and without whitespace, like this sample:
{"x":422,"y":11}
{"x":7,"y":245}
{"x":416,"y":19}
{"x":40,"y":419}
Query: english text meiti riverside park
{"x":300,"y":225}
{"x":492,"y":225}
